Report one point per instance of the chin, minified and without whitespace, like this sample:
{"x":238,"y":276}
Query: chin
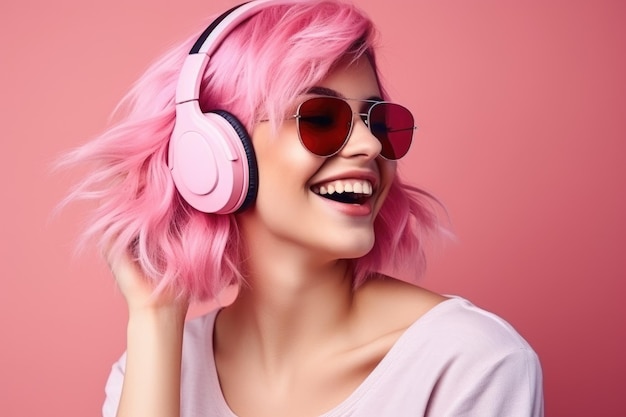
{"x":356,"y":248}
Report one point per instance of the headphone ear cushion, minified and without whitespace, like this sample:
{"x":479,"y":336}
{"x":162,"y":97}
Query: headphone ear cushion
{"x":253,"y":170}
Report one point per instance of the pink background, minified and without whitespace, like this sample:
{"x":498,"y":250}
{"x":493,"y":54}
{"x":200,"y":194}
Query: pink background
{"x":521,"y":107}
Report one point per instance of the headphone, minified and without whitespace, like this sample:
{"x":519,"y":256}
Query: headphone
{"x":210,"y":155}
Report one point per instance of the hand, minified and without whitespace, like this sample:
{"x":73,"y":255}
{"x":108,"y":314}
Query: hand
{"x":139,"y":291}
{"x":153,"y":344}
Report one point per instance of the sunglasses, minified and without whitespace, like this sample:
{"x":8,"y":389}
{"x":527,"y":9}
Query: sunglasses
{"x":325,"y":124}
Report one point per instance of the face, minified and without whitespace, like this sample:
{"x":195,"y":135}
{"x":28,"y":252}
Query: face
{"x":326,"y":206}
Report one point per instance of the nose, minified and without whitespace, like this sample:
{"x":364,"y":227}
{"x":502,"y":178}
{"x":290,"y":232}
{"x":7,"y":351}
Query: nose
{"x":361,"y":141}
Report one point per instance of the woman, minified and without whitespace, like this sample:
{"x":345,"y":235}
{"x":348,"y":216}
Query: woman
{"x":287,"y":189}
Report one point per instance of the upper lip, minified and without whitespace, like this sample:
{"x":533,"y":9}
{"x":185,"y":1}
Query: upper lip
{"x":351,"y":175}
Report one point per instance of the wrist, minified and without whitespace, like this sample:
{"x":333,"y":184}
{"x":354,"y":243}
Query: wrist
{"x":159,"y":318}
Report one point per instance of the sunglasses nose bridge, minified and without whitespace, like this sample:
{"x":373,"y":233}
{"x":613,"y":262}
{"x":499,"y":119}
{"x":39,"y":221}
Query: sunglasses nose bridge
{"x":361,"y":140}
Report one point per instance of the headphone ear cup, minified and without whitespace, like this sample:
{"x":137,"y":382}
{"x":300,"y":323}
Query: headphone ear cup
{"x":209,"y":158}
{"x":253,"y":170}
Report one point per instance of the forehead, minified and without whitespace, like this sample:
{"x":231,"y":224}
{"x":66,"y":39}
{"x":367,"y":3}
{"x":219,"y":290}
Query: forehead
{"x":354,"y":79}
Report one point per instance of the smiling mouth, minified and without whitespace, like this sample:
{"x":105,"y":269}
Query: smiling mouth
{"x":345,"y":191}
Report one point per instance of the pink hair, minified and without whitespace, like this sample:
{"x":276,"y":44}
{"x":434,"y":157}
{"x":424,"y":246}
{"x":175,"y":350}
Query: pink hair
{"x":259,"y":70}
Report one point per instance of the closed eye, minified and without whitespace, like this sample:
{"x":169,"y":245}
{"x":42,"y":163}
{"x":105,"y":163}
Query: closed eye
{"x":381,"y":128}
{"x":319,"y":120}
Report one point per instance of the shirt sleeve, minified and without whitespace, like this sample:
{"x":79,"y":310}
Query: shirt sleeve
{"x":510,"y":385}
{"x":113,"y":388}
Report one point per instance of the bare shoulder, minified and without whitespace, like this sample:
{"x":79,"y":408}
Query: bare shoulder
{"x":388,"y":305}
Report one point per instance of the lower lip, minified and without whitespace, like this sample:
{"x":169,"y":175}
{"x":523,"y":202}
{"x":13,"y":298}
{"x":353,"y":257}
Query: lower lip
{"x":356,"y":210}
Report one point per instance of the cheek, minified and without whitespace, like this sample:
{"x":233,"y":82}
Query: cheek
{"x":286,"y":164}
{"x":284,"y":178}
{"x":283,"y":150}
{"x":388,"y":170}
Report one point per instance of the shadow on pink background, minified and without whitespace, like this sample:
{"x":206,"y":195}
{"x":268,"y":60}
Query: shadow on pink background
{"x":522,"y":115}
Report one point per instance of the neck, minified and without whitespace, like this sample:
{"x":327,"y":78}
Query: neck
{"x":290,"y":302}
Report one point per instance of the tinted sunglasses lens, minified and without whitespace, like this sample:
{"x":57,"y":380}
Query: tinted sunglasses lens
{"x":324,"y":124}
{"x":393,"y":126}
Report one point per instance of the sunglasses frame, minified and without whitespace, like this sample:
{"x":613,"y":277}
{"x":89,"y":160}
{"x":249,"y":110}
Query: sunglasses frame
{"x":365,"y":117}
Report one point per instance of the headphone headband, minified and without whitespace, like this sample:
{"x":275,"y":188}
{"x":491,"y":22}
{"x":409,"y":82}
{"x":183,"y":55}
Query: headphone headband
{"x":210,"y":155}
{"x":188,"y":87}
{"x":203,"y":39}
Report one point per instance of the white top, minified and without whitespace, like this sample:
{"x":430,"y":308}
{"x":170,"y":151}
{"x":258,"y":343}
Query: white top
{"x":455,"y":360}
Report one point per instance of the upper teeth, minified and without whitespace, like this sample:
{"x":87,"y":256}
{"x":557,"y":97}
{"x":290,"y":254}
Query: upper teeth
{"x":341,"y":186}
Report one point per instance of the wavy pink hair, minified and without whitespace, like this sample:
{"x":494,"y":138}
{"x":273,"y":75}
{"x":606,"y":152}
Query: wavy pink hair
{"x":257,"y":73}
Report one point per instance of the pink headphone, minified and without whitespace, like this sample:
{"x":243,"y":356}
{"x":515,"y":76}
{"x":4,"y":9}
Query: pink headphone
{"x":210,"y":155}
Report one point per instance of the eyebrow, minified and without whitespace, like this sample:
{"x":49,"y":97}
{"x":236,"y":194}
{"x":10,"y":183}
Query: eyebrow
{"x":323,"y":91}
{"x":329,"y":92}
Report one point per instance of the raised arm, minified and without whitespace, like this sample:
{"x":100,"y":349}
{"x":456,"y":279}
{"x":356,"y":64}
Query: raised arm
{"x":151,"y":380}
